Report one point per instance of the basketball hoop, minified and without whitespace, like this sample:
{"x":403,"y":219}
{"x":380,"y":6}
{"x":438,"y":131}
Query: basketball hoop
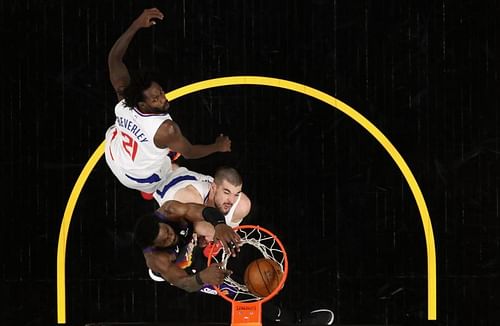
{"x":246,"y":306}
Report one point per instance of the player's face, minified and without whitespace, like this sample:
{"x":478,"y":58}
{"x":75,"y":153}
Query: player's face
{"x":225,"y":195}
{"x":155,"y":99}
{"x":166,"y":236}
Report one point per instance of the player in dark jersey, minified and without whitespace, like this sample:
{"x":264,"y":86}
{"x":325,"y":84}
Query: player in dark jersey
{"x":172,"y":239}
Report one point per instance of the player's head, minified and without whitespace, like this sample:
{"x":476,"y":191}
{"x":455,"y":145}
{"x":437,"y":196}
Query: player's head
{"x":146,"y":94}
{"x":150,"y":231}
{"x":226,"y":188}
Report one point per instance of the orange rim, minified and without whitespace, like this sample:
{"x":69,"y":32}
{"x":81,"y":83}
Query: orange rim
{"x":285,"y":266}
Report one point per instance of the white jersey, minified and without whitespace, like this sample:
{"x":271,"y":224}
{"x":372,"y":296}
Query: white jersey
{"x":181,"y":178}
{"x":130,"y":150}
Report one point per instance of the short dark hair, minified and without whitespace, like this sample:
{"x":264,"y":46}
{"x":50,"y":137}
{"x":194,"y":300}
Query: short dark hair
{"x":227,"y":173}
{"x":146,"y":230}
{"x":134,"y":92}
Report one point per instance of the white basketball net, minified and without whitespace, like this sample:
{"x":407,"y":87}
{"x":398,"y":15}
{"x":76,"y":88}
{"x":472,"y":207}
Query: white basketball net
{"x":269,"y":248}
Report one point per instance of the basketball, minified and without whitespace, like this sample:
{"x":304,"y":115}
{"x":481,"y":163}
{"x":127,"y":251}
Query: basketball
{"x":262,"y":276}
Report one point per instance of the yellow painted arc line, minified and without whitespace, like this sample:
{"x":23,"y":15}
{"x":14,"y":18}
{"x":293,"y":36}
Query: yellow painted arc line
{"x":372,"y":129}
{"x":63,"y":232}
{"x":280,"y":83}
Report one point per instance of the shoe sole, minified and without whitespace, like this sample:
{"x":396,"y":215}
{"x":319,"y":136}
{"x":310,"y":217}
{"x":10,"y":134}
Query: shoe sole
{"x":155,"y":277}
{"x":332,"y":318}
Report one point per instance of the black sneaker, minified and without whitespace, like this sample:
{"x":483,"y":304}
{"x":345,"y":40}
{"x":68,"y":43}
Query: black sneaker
{"x":318,"y":317}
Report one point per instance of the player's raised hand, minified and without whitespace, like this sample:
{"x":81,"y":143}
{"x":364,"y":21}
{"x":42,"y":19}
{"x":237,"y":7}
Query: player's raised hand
{"x":229,"y":238}
{"x":223,"y":143}
{"x":148,"y":17}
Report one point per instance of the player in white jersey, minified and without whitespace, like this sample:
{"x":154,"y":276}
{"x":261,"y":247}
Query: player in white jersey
{"x":169,"y":257}
{"x":223,"y":191}
{"x":139,"y":143}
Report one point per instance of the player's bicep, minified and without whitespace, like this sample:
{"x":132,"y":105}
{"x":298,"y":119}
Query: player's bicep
{"x":169,"y":135}
{"x":188,"y":194}
{"x":120,"y":89}
{"x":173,"y":210}
{"x":119,"y":77}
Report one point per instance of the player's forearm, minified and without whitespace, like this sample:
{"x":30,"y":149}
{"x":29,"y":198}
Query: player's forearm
{"x":120,"y":47}
{"x":199,"y":151}
{"x":191,"y":283}
{"x":192,"y":212}
{"x":176,"y":210}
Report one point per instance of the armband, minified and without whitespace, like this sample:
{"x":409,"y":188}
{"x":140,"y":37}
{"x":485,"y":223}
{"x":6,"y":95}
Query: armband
{"x":213,"y":216}
{"x":198,"y":279}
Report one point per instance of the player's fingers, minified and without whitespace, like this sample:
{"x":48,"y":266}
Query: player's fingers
{"x":235,"y":238}
{"x":233,"y":247}
{"x":234,"y":242}
{"x":226,"y":246}
{"x":157,"y":15}
{"x":154,"y":11}
{"x":216,"y":265}
{"x":152,"y":14}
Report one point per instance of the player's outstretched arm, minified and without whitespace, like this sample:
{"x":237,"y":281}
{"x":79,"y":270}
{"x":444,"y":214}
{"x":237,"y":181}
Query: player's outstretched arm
{"x":176,"y":211}
{"x":212,"y":275}
{"x":118,"y":72}
{"x":170,"y":135}
{"x":223,"y":232}
{"x":160,"y":262}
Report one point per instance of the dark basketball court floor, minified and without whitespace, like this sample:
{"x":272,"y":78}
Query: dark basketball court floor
{"x":426,"y":74}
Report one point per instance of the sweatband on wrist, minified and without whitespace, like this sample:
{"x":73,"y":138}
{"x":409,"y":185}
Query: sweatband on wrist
{"x":198,"y":279}
{"x":213,"y":216}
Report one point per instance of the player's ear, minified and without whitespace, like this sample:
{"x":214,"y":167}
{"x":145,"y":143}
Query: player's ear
{"x":142,"y":105}
{"x":213,"y":187}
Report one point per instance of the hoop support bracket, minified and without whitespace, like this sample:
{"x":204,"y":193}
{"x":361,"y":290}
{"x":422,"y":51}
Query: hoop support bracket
{"x":247,"y":314}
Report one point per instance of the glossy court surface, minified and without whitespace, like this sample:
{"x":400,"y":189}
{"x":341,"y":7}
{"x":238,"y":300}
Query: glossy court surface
{"x":425,"y":75}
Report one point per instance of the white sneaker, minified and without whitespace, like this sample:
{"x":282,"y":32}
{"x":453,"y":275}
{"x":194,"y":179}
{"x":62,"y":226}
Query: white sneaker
{"x":155,"y":277}
{"x":319,"y":317}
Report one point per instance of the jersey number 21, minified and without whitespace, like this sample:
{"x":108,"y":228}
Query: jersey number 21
{"x":129,"y":145}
